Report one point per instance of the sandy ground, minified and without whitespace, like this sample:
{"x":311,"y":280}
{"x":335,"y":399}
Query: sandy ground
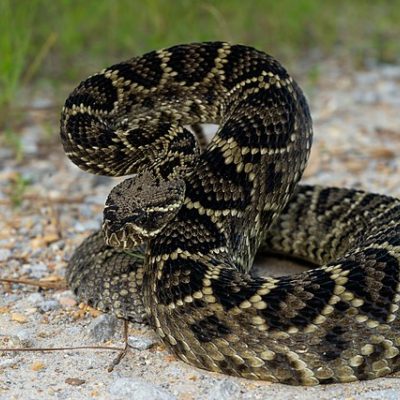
{"x":357,"y":142}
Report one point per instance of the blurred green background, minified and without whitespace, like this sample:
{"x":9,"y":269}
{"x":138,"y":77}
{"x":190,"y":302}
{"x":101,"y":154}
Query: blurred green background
{"x":59,"y":42}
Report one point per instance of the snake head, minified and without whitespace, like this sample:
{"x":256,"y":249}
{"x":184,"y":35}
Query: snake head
{"x":139,"y":208}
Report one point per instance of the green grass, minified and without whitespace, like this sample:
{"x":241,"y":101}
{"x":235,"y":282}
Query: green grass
{"x":17,"y":188}
{"x":65,"y":40}
{"x":13,"y":142}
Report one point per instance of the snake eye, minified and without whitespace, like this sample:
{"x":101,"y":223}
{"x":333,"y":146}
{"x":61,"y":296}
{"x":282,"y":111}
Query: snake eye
{"x":136,"y":218}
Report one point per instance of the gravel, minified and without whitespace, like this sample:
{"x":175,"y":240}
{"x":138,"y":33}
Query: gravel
{"x":36,"y":271}
{"x":103,"y":327}
{"x":25,"y":337}
{"x":357,"y":143}
{"x":141,"y":343}
{"x":138,"y":389}
{"x":35,"y":298}
{"x":5,"y":254}
{"x":225,"y":390}
{"x":49,"y":305}
{"x":388,"y":394}
{"x":4,"y":364}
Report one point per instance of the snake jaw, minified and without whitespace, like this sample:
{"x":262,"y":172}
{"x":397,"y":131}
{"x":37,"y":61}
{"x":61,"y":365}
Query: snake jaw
{"x":112,"y":240}
{"x":126,"y":237}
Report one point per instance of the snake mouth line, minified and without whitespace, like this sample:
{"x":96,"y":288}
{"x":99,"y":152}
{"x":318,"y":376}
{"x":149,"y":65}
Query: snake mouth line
{"x":127,"y":237}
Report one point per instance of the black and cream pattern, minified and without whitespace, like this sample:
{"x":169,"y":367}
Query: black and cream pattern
{"x":180,"y":237}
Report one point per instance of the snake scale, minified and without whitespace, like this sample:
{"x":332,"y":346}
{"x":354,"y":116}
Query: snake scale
{"x":179,"y":237}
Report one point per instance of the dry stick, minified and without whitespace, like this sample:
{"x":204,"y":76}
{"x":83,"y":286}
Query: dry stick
{"x":117,"y":360}
{"x":44,"y":285}
{"x":123,"y":351}
{"x":43,"y":349}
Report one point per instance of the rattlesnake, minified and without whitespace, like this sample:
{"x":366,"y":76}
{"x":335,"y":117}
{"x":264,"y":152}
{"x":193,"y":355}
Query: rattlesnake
{"x":182,"y":234}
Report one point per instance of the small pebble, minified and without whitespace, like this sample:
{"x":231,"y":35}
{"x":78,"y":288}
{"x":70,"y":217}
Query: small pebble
{"x":57,"y":246}
{"x":75,"y":381}
{"x":25,"y":337}
{"x":14,"y":341}
{"x":140,"y":343}
{"x":8,"y":363}
{"x":10,"y":298}
{"x":67,"y":301}
{"x":138,"y":389}
{"x":103,"y":327}
{"x":66,"y":298}
{"x":36,"y":230}
{"x":37,"y":271}
{"x":13,"y":263}
{"x":49,"y":305}
{"x":35,"y":298}
{"x":5,"y":254}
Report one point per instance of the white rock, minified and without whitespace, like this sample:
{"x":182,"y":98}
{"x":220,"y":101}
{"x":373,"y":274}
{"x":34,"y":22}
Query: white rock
{"x":25,"y":336}
{"x":35,"y":298}
{"x":103,"y":327}
{"x":49,"y":305}
{"x":140,"y":343}
{"x":37,"y":271}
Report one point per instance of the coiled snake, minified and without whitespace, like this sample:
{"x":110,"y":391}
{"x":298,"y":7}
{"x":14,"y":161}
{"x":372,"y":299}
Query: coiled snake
{"x":181,"y":235}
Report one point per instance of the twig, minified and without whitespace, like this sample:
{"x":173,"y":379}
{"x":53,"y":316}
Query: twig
{"x":48,"y":285}
{"x":44,"y":349}
{"x":44,"y":285}
{"x":123,"y":351}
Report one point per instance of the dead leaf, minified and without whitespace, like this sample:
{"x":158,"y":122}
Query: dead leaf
{"x":37,"y":366}
{"x":20,"y":318}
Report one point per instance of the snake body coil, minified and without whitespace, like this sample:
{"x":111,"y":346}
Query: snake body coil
{"x":203,"y":213}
